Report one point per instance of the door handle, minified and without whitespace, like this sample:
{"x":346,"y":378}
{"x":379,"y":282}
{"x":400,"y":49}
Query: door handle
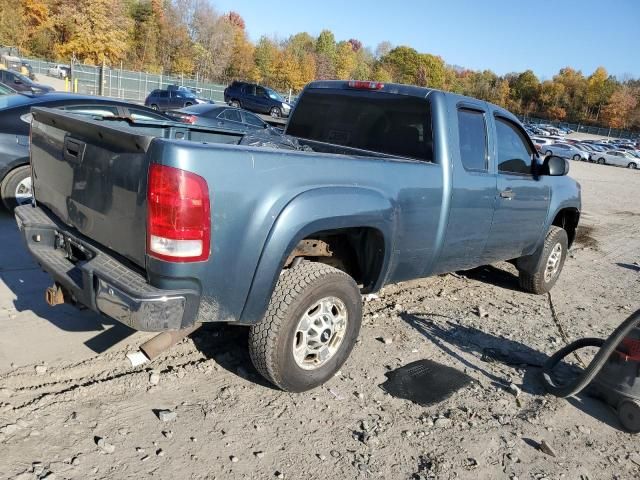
{"x":508,"y":194}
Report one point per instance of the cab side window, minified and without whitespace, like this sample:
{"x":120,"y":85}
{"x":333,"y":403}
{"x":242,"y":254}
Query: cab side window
{"x":514,"y":154}
{"x":472,"y":134}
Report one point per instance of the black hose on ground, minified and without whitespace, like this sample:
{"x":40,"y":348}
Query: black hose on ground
{"x":607,"y":347}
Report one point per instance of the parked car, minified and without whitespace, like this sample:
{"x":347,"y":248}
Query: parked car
{"x":256,"y":98}
{"x":172,"y":99}
{"x":174,"y":227}
{"x":59,"y":71}
{"x":565,"y":150}
{"x":620,"y":158}
{"x":539,"y":131}
{"x":222,"y":116}
{"x":15,"y":120}
{"x":21,"y":83}
{"x":540,"y":143}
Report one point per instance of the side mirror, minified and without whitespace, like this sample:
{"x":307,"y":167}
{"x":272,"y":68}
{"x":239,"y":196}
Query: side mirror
{"x":555,"y":166}
{"x":17,"y":81}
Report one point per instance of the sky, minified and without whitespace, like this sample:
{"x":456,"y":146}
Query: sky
{"x":504,"y":36}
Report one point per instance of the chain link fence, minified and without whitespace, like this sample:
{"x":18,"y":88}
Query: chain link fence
{"x":135,"y":86}
{"x":126,"y":84}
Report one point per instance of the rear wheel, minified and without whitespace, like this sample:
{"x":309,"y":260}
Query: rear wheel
{"x":16,"y":188}
{"x":548,"y":153}
{"x":154,"y":106}
{"x":310,"y":327}
{"x":601,"y":161}
{"x":551,"y":258}
{"x":188,"y":104}
{"x":235,"y":103}
{"x":577,"y":157}
{"x":633,"y":165}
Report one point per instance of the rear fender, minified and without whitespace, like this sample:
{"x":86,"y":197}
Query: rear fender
{"x":310,"y":212}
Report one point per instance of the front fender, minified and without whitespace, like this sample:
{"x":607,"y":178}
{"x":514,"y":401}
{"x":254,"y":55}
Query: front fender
{"x":316,"y":210}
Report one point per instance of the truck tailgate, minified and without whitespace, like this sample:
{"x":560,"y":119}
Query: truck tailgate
{"x":93,"y":178}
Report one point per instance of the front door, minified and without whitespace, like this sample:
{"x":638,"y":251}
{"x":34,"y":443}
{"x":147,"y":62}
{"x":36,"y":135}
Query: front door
{"x":522,"y":200}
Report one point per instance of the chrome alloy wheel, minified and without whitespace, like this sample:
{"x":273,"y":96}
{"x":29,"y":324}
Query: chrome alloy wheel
{"x":320,"y":333}
{"x":553,"y":263}
{"x":24,"y":193}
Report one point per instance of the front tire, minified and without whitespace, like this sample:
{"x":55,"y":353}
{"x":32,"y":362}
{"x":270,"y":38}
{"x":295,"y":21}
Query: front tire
{"x":16,"y":188}
{"x":632,"y":165}
{"x":235,"y":103}
{"x":577,"y":157}
{"x":275,"y":112}
{"x":154,"y":107}
{"x":551,"y":259}
{"x":548,"y":153}
{"x":310,"y":327}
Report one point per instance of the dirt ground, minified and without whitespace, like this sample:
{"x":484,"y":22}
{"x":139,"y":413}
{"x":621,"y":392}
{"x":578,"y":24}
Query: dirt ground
{"x":72,"y":407}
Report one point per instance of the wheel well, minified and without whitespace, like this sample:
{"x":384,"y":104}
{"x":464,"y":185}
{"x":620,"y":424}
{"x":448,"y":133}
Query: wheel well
{"x":357,"y":251}
{"x":568,"y":219}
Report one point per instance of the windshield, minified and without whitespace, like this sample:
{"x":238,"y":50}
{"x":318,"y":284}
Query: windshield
{"x":22,"y":78}
{"x":274,"y":95}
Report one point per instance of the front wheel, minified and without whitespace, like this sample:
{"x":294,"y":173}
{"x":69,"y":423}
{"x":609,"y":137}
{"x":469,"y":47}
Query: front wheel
{"x":275,"y":112}
{"x":548,"y":153}
{"x":154,"y":106}
{"x":551,"y":258}
{"x":235,"y":103}
{"x":632,"y":165}
{"x":310,"y":327}
{"x":577,"y":157}
{"x":16,"y":188}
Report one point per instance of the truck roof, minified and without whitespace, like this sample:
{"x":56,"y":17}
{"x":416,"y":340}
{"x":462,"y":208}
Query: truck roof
{"x":401,"y":89}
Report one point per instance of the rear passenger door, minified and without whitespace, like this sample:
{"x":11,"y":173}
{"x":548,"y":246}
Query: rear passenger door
{"x":523,"y":197}
{"x":474,"y":188}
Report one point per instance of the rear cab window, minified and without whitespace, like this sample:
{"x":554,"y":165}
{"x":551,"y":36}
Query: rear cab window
{"x":380,"y":122}
{"x":472,"y":134}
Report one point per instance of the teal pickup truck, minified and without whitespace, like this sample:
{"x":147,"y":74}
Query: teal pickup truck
{"x":163,"y":226}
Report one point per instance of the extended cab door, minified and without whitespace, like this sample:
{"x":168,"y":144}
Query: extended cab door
{"x":474,"y":186}
{"x":522,"y":201}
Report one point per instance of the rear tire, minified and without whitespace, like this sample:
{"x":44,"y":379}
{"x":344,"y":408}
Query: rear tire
{"x":601,"y":161}
{"x":235,"y":103}
{"x":551,"y":258}
{"x":577,"y":157}
{"x":276,"y":341}
{"x":16,"y":187}
{"x":154,"y":106}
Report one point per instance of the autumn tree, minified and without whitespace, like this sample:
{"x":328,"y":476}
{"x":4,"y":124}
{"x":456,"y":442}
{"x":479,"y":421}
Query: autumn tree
{"x":345,"y":61}
{"x":92,"y":30}
{"x":618,"y":109}
{"x":599,"y":88}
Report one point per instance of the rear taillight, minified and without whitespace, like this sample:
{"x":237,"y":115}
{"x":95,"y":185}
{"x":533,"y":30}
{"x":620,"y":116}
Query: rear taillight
{"x":178,"y":215}
{"x":366,"y":85}
{"x":189,"y":119}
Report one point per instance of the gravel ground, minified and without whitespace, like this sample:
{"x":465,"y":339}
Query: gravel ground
{"x":201,"y":411}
